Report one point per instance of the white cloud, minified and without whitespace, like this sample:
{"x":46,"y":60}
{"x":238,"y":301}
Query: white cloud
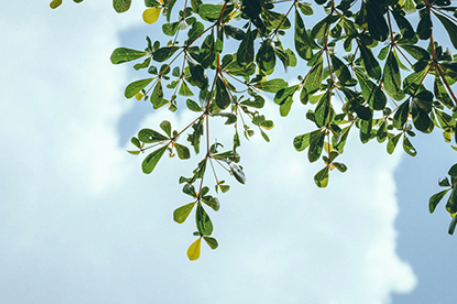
{"x":79,"y":222}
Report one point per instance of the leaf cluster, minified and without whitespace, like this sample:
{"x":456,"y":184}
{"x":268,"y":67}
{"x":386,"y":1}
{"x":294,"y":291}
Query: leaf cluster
{"x":371,"y":67}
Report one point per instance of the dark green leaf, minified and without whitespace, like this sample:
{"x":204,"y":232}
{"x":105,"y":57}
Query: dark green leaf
{"x":435,"y":199}
{"x":303,"y":45}
{"x":392,"y":77}
{"x":136,"y":86}
{"x":212,"y":243}
{"x":266,"y":58}
{"x":453,"y":171}
{"x":424,"y":28}
{"x":316,"y":145}
{"x":204,"y":224}
{"x":451,"y":205}
{"x":164,"y":53}
{"x":152,"y":159}
{"x":222,"y":96}
{"x":401,"y":115}
{"x":322,"y":113}
{"x":377,"y":25}
{"x":371,"y":64}
{"x":150,"y":136}
{"x":452,"y":225}
{"x":450,"y":27}
{"x":315,"y":76}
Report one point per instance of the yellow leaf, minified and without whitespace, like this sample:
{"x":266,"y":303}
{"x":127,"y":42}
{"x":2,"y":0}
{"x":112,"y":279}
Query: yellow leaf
{"x":134,"y":152}
{"x":193,"y":253}
{"x":453,"y":214}
{"x":151,"y":15}
{"x":138,"y":96}
{"x":55,"y":4}
{"x":328,"y":147}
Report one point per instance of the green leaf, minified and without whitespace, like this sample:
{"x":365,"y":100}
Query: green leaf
{"x":189,"y":190}
{"x":409,"y":7}
{"x":451,"y":205}
{"x":245,"y":53}
{"x":180,"y":214}
{"x":371,"y":92}
{"x":315,"y":76}
{"x":401,"y":115}
{"x":121,"y":55}
{"x":170,"y":29}
{"x":164,"y":53}
{"x":435,"y":199}
{"x":207,"y":52}
{"x":340,"y":166}
{"x":121,"y":5}
{"x":183,"y":151}
{"x":444,"y":182}
{"x":377,"y":25}
{"x":322,"y":113}
{"x":199,"y":77}
{"x":453,"y":171}
{"x":136,"y":86}
{"x":150,"y":136}
{"x":166,"y":127}
{"x":157,"y":96}
{"x":266,"y":58}
{"x":452,"y":225}
{"x":392,"y":143}
{"x":193,"y":253}
{"x":258,"y":102}
{"x":204,"y":224}
{"x":303,"y":45}
{"x":421,"y":119}
{"x":193,"y":106}
{"x":271,"y":86}
{"x":237,"y":172}
{"x":212,"y":202}
{"x":371,"y":64}
{"x":195,"y":31}
{"x":417,"y":52}
{"x":408,"y":146}
{"x":212,"y":243}
{"x":184,"y":90}
{"x":424,"y":27}
{"x":152,"y":159}
{"x":210,"y":12}
{"x":316,"y":145}
{"x":441,"y":94}
{"x":321,"y":178}
{"x":341,"y":70}
{"x":136,"y":142}
{"x":222,"y":96}
{"x":392,"y":77}
{"x":450,"y":27}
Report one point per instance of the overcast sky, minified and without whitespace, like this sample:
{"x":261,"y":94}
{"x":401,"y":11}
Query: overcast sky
{"x":80,"y":222}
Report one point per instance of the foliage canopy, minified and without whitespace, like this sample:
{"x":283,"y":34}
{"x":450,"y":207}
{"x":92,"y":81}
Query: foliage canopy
{"x":393,"y":80}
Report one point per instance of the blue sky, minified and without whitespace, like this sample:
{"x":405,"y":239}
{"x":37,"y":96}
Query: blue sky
{"x":80,"y":223}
